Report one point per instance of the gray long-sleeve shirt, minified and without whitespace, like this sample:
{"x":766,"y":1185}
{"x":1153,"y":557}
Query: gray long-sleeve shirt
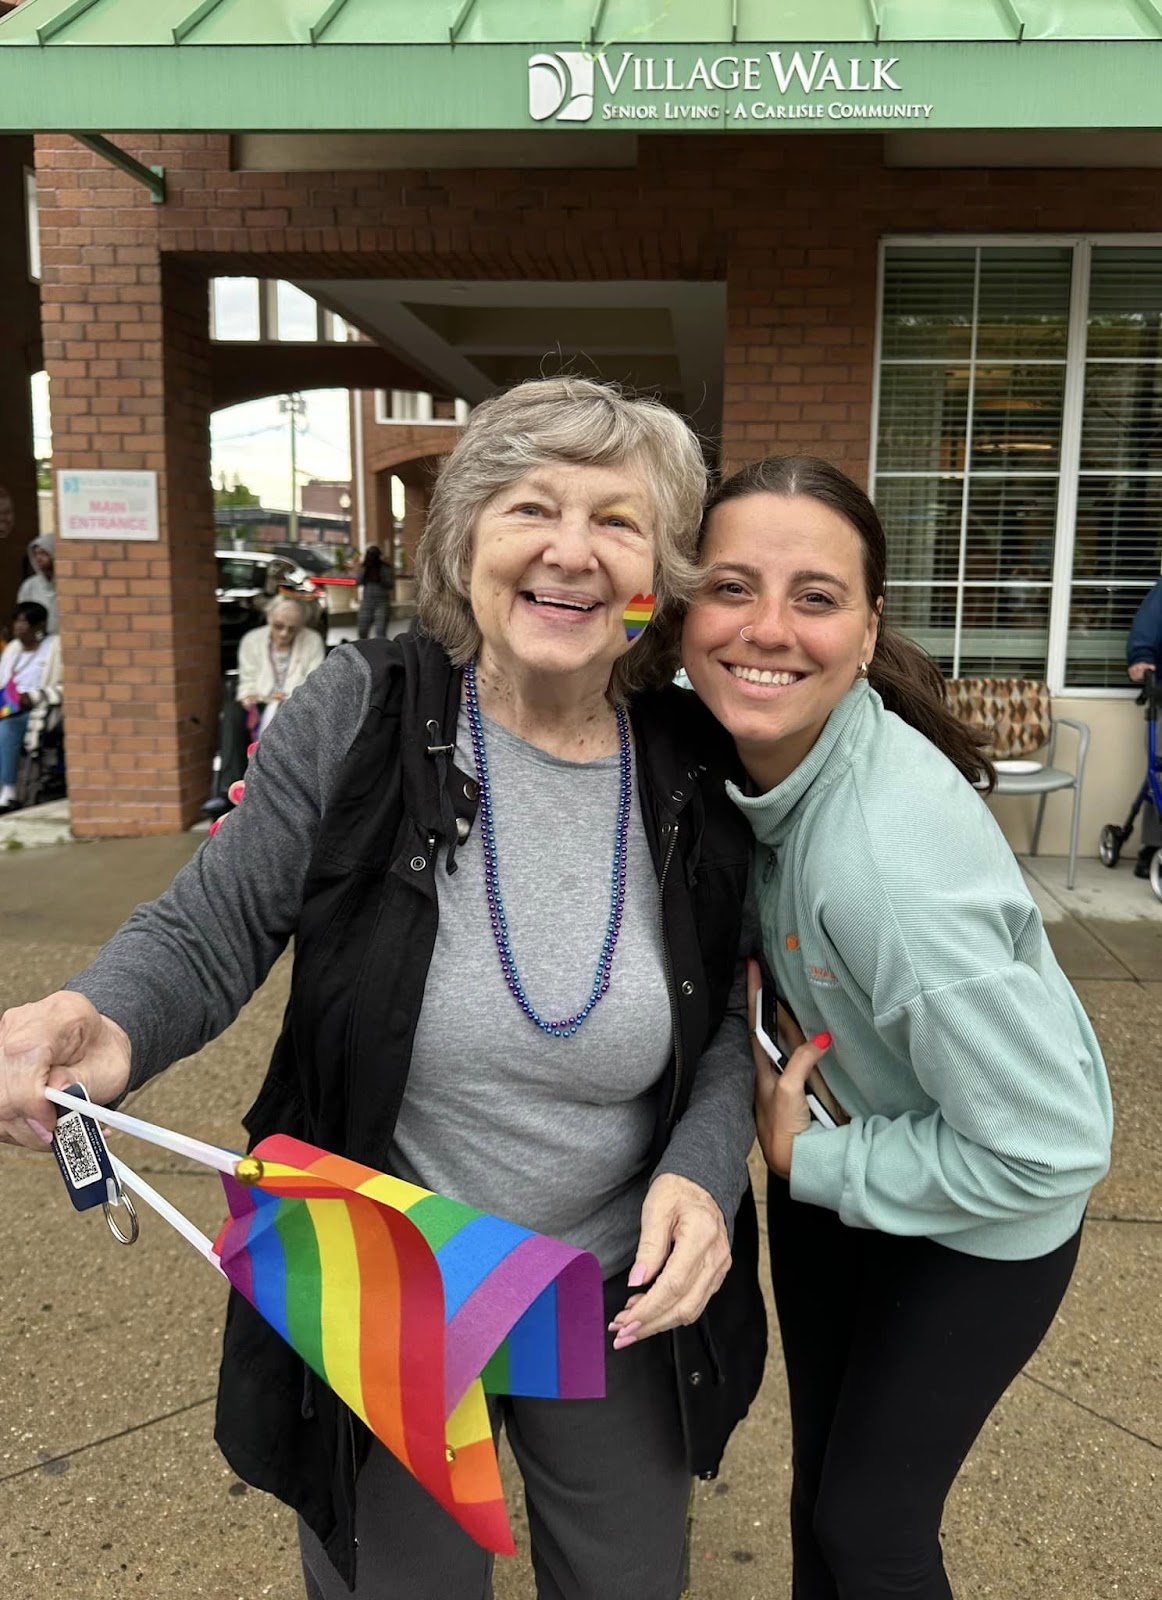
{"x":553,"y":1133}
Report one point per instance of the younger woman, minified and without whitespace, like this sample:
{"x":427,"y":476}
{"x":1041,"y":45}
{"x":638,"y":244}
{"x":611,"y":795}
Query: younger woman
{"x":920,"y":1250}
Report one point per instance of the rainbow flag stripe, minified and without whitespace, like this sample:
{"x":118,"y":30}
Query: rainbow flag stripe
{"x":9,"y":699}
{"x":638,"y":614}
{"x":412,"y":1307}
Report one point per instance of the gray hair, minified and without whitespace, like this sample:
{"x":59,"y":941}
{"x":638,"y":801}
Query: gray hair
{"x":291,"y":602}
{"x":571,"y":420}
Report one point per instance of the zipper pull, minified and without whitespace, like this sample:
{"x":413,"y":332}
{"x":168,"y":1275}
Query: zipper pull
{"x":768,"y":865}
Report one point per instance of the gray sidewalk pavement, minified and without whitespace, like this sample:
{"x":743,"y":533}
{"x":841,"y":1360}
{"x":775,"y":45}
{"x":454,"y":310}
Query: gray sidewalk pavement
{"x":110,"y":1485}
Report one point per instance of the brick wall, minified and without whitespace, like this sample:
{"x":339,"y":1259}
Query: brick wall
{"x":790,"y":222}
{"x":126,"y":346}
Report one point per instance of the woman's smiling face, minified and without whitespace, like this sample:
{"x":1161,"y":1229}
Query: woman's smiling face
{"x":789,"y":571}
{"x":556,"y":557}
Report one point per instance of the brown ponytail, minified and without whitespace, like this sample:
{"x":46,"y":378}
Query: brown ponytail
{"x":906,"y":678}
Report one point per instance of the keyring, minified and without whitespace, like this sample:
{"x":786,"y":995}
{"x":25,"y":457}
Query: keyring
{"x":111,"y":1207}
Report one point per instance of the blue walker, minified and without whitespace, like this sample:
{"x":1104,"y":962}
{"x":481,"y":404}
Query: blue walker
{"x":1149,"y":796}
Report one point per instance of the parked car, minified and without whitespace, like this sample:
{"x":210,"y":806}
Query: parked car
{"x":247,"y":580}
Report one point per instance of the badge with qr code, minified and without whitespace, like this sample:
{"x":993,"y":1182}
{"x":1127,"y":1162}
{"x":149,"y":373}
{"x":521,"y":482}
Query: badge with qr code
{"x":82,"y":1155}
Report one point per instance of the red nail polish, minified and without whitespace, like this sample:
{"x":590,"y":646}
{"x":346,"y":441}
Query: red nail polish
{"x":822,"y":1040}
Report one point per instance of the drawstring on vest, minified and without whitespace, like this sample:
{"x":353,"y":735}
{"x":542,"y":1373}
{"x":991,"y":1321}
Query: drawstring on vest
{"x":441,"y":752}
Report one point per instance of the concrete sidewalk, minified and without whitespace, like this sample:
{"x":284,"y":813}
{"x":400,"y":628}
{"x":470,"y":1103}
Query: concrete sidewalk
{"x":110,"y":1485}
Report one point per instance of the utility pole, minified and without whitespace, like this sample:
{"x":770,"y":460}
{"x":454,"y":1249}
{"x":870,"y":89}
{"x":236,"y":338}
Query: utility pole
{"x":293,"y":406}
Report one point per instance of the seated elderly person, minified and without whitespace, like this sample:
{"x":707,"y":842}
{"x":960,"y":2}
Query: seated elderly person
{"x":273,"y":662}
{"x":30,"y":685}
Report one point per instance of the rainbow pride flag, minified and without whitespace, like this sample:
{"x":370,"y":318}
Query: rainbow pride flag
{"x":637,"y":615}
{"x":9,"y":699}
{"x":412,"y":1307}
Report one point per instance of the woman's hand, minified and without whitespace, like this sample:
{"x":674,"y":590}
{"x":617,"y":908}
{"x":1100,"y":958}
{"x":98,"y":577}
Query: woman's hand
{"x":683,"y":1253}
{"x":781,"y":1111}
{"x":61,"y":1040}
{"x":248,"y":701}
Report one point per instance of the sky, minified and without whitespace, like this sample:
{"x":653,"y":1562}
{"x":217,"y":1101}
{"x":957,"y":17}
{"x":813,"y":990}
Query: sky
{"x":253,"y":440}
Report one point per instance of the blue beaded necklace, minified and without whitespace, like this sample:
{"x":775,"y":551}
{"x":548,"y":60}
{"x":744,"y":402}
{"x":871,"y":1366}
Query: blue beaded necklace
{"x":565,"y":1026}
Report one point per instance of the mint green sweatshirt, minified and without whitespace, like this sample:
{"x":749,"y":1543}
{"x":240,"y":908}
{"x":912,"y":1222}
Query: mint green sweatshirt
{"x":896,"y":918}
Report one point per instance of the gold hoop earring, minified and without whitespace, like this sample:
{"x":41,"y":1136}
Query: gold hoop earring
{"x":862,"y":669}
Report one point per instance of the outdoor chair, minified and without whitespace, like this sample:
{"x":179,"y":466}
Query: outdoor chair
{"x":1017,"y":718}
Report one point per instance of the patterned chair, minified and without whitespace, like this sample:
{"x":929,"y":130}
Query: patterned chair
{"x":1017,"y":716}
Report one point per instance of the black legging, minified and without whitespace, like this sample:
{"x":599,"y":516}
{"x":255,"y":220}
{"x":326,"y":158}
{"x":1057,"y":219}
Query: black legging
{"x":897,"y":1350}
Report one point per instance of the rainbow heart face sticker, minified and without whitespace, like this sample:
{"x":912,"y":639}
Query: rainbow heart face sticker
{"x":637,"y":615}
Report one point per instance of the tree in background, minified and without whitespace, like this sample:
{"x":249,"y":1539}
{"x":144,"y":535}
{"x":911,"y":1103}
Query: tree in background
{"x":234,"y":494}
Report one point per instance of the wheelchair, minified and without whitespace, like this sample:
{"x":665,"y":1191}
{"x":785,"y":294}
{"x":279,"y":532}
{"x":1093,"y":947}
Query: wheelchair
{"x":41,"y":775}
{"x":1149,"y":797}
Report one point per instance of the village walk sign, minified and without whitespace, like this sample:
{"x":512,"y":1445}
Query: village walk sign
{"x":109,"y":66}
{"x":787,"y":86}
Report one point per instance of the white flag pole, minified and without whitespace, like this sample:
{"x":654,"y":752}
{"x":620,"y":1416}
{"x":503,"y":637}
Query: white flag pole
{"x":210,"y":1155}
{"x":162,"y":1206}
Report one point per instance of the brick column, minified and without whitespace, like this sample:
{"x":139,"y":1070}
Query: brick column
{"x":19,"y":358}
{"x":801,"y":287}
{"x":127,"y":350}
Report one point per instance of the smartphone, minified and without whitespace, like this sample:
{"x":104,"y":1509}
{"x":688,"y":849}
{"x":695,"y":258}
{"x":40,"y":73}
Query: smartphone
{"x":766,"y":1030}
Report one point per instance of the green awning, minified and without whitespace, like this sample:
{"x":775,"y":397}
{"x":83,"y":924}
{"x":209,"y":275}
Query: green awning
{"x":746,"y":65}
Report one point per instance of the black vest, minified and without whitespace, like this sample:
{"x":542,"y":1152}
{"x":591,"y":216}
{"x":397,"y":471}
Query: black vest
{"x":363,"y":945}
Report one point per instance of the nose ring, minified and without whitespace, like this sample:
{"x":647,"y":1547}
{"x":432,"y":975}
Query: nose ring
{"x":745,"y":636}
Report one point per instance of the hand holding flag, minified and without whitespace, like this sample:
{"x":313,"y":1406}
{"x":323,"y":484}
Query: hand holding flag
{"x":410,"y":1306}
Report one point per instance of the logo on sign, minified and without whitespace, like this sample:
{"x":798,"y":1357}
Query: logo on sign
{"x":561,"y":86}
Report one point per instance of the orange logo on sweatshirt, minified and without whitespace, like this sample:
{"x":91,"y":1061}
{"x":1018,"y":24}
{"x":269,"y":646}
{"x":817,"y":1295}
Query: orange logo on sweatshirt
{"x":792,"y":941}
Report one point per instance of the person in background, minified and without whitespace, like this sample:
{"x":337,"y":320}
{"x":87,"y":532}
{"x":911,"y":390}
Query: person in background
{"x":30,"y":683}
{"x":1144,"y":645}
{"x":920,"y":1248}
{"x":375,"y":583}
{"x":1143,"y":654}
{"x":41,"y":585}
{"x":273,"y":661}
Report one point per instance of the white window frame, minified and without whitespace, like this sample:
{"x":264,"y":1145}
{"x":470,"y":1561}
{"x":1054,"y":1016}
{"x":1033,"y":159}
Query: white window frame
{"x":1082,"y":246}
{"x":385,"y":419}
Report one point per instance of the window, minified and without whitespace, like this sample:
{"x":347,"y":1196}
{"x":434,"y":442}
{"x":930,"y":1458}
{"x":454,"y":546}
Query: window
{"x":1018,"y":452}
{"x":265,"y":309}
{"x":296,"y":315}
{"x":234,"y":309}
{"x":32,"y":219}
{"x":1119,"y":492}
{"x":414,"y":406}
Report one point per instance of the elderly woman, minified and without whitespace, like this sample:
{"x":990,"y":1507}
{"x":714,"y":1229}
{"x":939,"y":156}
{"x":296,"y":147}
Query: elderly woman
{"x":920,"y":1249}
{"x":273,"y":662}
{"x":276,"y":660}
{"x":504,"y":851}
{"x":30,"y":685}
